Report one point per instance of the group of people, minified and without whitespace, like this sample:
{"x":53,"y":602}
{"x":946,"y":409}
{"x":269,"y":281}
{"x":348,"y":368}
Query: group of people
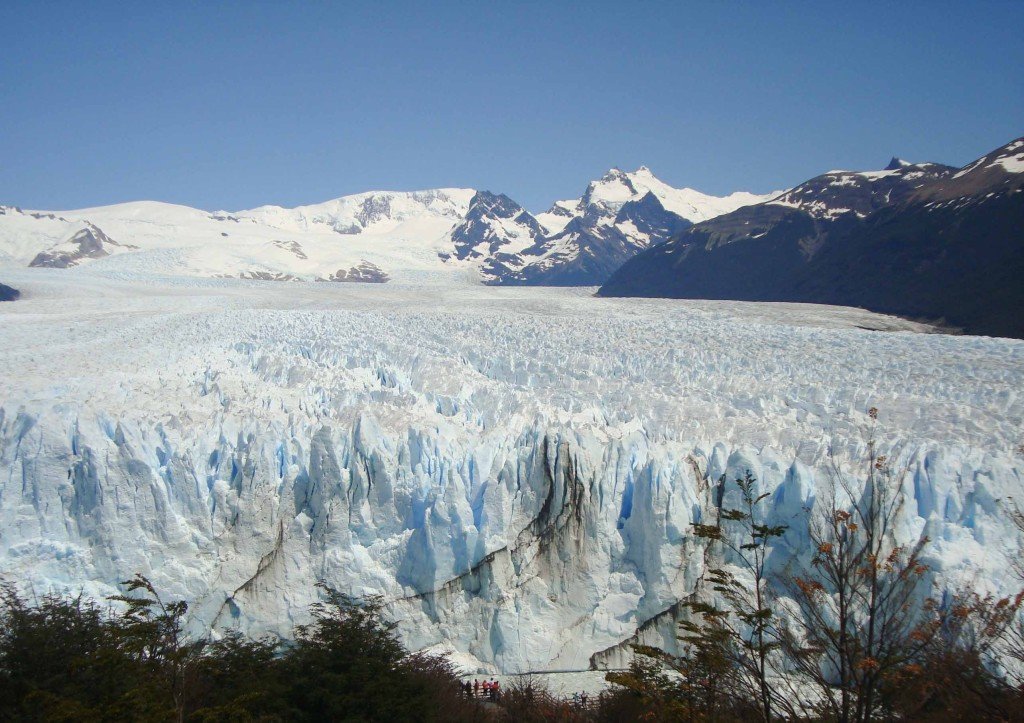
{"x":490,"y":689}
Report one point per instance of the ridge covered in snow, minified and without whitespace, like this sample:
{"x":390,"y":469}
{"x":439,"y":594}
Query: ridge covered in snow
{"x":373,"y":211}
{"x":617,"y":216}
{"x":836,"y":193}
{"x":448,"y":233}
{"x":617,"y":187}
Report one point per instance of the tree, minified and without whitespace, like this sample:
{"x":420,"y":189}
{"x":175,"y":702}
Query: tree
{"x":735,"y":643}
{"x":863,"y":613}
{"x":528,"y":700}
{"x":957,"y":677}
{"x":67,"y":659}
{"x":729,"y":651}
{"x":647,"y":691}
{"x":154,"y":635}
{"x":1013,"y":640}
{"x":348,"y":664}
{"x":852,"y":618}
{"x":60,"y":659}
{"x":238,"y":679}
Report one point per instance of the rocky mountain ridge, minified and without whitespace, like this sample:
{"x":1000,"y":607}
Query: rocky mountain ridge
{"x":921,"y":240}
{"x":418,"y":235}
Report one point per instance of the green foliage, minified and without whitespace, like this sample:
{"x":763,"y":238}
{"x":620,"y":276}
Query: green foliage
{"x":67,"y":659}
{"x":731,"y":648}
{"x":238,"y":679}
{"x":61,"y":659}
{"x":351,"y":664}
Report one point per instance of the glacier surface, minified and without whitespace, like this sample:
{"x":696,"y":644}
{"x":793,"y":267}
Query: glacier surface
{"x":511,"y":469}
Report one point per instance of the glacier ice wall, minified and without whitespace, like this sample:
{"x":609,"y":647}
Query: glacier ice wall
{"x":513,"y":471}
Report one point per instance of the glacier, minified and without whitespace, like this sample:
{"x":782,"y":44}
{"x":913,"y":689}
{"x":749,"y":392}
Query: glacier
{"x":513,"y":470}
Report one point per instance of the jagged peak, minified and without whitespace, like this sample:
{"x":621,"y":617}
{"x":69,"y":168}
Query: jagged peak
{"x":496,"y":204}
{"x":617,"y":173}
{"x":897,"y":163}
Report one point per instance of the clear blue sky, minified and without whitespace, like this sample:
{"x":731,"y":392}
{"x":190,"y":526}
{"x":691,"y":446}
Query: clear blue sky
{"x":232,"y":105}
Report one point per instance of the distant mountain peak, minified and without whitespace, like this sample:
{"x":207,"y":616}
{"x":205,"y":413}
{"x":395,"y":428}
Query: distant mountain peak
{"x":897,"y":163}
{"x":86,"y":243}
{"x":615,"y":173}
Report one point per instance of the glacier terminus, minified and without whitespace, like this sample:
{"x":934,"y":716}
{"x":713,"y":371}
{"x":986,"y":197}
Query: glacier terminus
{"x":513,"y":470}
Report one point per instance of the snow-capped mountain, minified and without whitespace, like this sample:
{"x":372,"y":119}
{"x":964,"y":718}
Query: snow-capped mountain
{"x":88,"y":243}
{"x":561,"y":213}
{"x":953,"y":250}
{"x":994,"y":175}
{"x":617,"y":216}
{"x":836,"y":193}
{"x":923,"y":240}
{"x":370,"y":212}
{"x":616,"y":188}
{"x":749,"y":253}
{"x":443,"y":233}
{"x":494,"y":232}
{"x":400,"y":234}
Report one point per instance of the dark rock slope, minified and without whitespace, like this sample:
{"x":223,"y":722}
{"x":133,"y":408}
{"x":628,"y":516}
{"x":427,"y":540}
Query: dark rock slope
{"x":925,"y":240}
{"x":954,"y":251}
{"x":88,"y":243}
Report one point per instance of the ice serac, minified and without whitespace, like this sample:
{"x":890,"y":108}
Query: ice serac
{"x":515,"y":471}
